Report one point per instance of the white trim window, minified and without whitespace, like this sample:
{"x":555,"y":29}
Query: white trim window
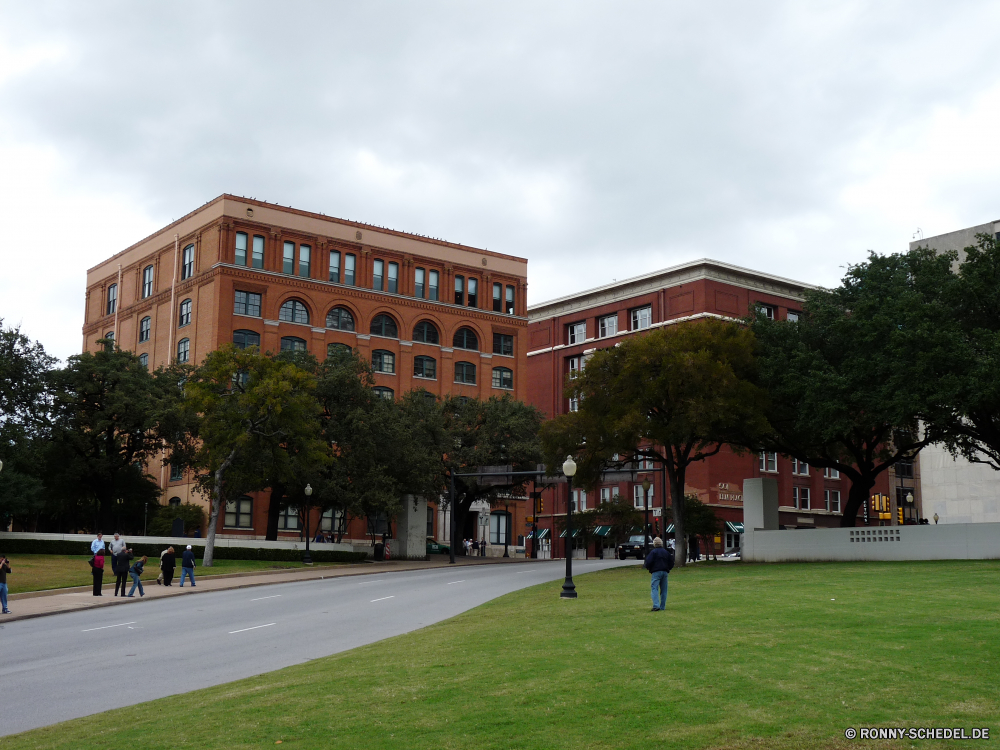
{"x":831,"y":473}
{"x":574,"y":404}
{"x":637,"y":499}
{"x":799,"y":468}
{"x":642,"y":318}
{"x":607,"y":326}
{"x":800,"y":498}
{"x":770,"y":311}
{"x":768,"y":461}
{"x":793,"y":316}
{"x":579,"y":500}
{"x":605,"y":494}
{"x":576,"y":333}
{"x":288,"y":519}
{"x":831,"y":500}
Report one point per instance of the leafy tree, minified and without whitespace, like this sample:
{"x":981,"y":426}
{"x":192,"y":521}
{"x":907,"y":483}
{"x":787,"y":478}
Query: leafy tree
{"x":675,"y":396}
{"x":191,"y":514}
{"x":246,"y":404}
{"x":616,"y":513}
{"x":850,"y":381}
{"x":700,"y":519}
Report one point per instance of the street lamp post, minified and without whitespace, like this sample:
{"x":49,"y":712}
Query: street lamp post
{"x":307,"y":558}
{"x":569,"y":589}
{"x":119,"y":502}
{"x":645,"y":503}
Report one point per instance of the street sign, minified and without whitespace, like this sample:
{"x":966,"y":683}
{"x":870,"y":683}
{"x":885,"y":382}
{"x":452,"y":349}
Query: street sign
{"x":529,"y":519}
{"x":657,"y":512}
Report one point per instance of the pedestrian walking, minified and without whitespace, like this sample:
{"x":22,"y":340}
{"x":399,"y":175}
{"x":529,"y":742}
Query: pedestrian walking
{"x":136,"y":573}
{"x":168,"y":561}
{"x":659,"y":562}
{"x":4,"y":570}
{"x":119,"y":566}
{"x":97,"y":544}
{"x":98,"y":571}
{"x":187,"y":566}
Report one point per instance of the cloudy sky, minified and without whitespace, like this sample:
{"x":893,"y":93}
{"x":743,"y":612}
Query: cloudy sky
{"x":599,"y":140}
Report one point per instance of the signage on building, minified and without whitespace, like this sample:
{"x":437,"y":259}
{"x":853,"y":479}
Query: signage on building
{"x":728,"y":494}
{"x":657,"y":512}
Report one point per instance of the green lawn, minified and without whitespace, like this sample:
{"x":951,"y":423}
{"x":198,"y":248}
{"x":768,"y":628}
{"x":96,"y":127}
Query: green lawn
{"x":746,"y":656}
{"x":43,"y":572}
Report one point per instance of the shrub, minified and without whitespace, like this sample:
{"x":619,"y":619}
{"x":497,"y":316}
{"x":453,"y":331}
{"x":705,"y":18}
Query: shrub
{"x":192,"y":515}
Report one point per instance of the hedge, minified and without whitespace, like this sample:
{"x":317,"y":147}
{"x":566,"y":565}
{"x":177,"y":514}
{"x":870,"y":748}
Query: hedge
{"x":60,"y":547}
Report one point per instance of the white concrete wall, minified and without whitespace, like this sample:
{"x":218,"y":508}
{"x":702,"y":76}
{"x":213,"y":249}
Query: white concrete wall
{"x":180,"y":543}
{"x":967,"y":541}
{"x":957,"y":490}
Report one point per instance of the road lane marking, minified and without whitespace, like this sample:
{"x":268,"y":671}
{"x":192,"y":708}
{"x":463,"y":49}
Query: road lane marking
{"x":456,"y":582}
{"x":275,"y":596}
{"x":255,"y":627}
{"x":382,"y":599}
{"x":105,"y":627}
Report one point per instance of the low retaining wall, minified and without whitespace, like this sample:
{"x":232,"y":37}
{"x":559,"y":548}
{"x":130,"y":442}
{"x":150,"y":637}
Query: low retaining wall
{"x":958,"y":541}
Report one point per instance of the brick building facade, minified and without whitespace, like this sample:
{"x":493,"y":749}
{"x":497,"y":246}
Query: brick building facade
{"x":429,"y":314}
{"x":564,"y":331}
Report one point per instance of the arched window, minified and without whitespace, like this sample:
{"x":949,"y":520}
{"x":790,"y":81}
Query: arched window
{"x":465,"y":338}
{"x":426,"y":333}
{"x":294,"y":311}
{"x":424,"y":367}
{"x":174,"y":501}
{"x":144,"y":327}
{"x":184,"y":318}
{"x":293,"y":344}
{"x":383,"y":325}
{"x":147,"y":281}
{"x":340,"y":319}
{"x":383,"y":392}
{"x":243,"y":339}
{"x":383,"y":361}
{"x":332,"y":349}
{"x":183,"y":350}
{"x":187,"y":264}
{"x":465,"y":372}
{"x":503,"y":378}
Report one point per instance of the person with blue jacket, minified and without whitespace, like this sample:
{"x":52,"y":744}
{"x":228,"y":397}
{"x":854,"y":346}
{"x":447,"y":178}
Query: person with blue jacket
{"x":187,"y":566}
{"x":135,"y":572}
{"x":659,"y":561}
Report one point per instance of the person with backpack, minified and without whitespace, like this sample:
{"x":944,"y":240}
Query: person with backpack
{"x":136,"y":573}
{"x":659,"y":563}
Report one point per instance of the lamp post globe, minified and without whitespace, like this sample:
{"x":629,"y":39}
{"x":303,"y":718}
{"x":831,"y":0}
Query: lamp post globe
{"x":569,"y":588}
{"x":307,"y":558}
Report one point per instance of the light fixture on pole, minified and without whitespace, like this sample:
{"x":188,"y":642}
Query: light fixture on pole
{"x":645,"y":503}
{"x":307,"y":558}
{"x":569,"y":589}
{"x":935,"y":518}
{"x":119,"y":502}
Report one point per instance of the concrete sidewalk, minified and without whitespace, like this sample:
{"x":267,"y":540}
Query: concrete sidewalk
{"x":31,"y":604}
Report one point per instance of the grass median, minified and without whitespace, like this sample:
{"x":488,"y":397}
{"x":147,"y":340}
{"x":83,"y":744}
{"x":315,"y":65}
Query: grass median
{"x":44,"y":572}
{"x":746,"y":656}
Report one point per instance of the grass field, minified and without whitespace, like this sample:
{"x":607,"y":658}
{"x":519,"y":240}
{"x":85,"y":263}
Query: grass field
{"x":746,"y":656}
{"x":43,"y":572}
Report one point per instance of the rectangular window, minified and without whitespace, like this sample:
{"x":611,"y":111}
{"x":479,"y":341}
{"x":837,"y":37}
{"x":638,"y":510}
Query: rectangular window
{"x":383,"y":361}
{"x":430,"y":521}
{"x":574,"y":365}
{"x":112,"y":299}
{"x":607,"y":326}
{"x":187,"y":263}
{"x":473,"y":292}
{"x":349,"y":262}
{"x":793,"y":316}
{"x":498,"y":298}
{"x":330,"y":520}
{"x":498,"y":528}
{"x":576,"y":333}
{"x":258,"y":251}
{"x":770,"y":311}
{"x":247,"y":303}
{"x":393,"y":278}
{"x":335,"y":266}
{"x":288,"y":519}
{"x":305,"y":260}
{"x":144,"y":360}
{"x":147,"y":281}
{"x":831,"y":498}
{"x":642,"y":317}
{"x":419,"y":277}
{"x":831,"y":473}
{"x":378,"y":271}
{"x":799,"y":468}
{"x":904,"y":469}
{"x":176,"y":473}
{"x":432,"y":285}
{"x":574,"y":404}
{"x":459,"y":290}
{"x":768,"y":461}
{"x":605,"y":494}
{"x":144,"y":328}
{"x":503,"y":344}
{"x":503,"y":377}
{"x":579,"y":500}
{"x":239,"y":513}
{"x":510,"y":300}
{"x":800,"y":498}
{"x":288,"y":259}
{"x":241,"y":248}
{"x":637,"y":496}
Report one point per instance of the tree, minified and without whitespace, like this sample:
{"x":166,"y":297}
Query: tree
{"x":699,"y":519}
{"x":617,"y":513}
{"x":246,"y":404}
{"x":850,"y":380}
{"x":675,"y":396}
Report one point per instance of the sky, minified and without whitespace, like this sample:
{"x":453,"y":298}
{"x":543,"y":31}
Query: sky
{"x":599,"y":140}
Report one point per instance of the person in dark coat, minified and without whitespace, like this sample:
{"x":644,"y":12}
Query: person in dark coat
{"x":119,"y":566}
{"x":98,"y":572}
{"x":659,"y":561}
{"x":168,"y":561}
{"x":187,"y":566}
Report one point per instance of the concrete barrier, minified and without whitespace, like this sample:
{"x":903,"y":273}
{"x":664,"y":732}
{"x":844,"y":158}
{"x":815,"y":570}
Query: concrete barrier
{"x":954,"y":541}
{"x":181,"y":542}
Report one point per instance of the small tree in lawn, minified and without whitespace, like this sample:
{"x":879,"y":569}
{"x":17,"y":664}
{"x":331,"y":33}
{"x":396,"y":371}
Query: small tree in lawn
{"x":247,"y":404}
{"x":675,"y":396}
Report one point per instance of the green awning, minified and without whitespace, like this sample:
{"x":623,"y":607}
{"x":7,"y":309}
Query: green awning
{"x":602,"y":531}
{"x":542,"y":534}
{"x":575,"y":533}
{"x":669,"y":529}
{"x":735,"y":527}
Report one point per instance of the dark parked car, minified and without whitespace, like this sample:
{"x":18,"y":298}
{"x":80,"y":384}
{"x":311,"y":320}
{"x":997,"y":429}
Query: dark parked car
{"x":634,"y":547}
{"x":435,"y":547}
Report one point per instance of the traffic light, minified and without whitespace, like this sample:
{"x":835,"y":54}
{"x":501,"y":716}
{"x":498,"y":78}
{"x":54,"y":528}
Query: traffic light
{"x":899,"y":515}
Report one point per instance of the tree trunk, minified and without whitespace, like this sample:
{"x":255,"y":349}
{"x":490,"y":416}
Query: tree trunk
{"x":860,"y":490}
{"x":274,"y":511}
{"x":217,"y":499}
{"x":675,"y":474}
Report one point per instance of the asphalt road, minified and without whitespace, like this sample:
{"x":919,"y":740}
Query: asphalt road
{"x":79,"y":663}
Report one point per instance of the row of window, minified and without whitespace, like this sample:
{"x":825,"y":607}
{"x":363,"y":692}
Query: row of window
{"x":297,"y":260}
{"x":801,"y":500}
{"x":768,"y":462}
{"x":639,"y":319}
{"x":239,"y":515}
{"x":187,"y":271}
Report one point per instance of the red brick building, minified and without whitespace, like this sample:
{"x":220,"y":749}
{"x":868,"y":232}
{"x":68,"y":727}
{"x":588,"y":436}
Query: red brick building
{"x":564,"y":331}
{"x":429,"y":314}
